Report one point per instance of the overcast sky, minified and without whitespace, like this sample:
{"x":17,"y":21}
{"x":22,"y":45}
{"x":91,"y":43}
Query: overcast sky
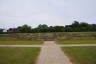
{"x":14,"y":13}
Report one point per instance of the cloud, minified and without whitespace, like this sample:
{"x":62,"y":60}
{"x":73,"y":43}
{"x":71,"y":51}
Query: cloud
{"x":52,"y":12}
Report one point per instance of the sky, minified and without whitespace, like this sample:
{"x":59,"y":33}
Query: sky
{"x":15,"y":13}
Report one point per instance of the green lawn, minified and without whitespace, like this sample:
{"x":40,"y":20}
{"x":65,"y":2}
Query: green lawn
{"x":20,"y":42}
{"x":76,"y":40}
{"x":9,"y":55}
{"x":70,"y":33}
{"x":80,"y":32}
{"x":10,"y":40}
{"x":81,"y":55}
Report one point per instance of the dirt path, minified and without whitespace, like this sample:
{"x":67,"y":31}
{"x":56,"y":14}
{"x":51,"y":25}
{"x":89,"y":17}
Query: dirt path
{"x":76,"y":45}
{"x":52,"y":54}
{"x":46,"y":44}
{"x":20,"y":45}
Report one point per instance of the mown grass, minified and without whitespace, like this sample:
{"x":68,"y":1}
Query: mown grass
{"x":10,"y":40}
{"x":10,"y":55}
{"x":76,"y":40}
{"x":57,"y":32}
{"x":81,"y":55}
{"x":20,"y":42}
{"x":80,"y":32}
{"x":69,"y":33}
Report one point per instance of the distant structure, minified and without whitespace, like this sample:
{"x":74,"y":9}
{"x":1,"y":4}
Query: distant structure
{"x":12,"y":30}
{"x":5,"y":30}
{"x":1,"y":30}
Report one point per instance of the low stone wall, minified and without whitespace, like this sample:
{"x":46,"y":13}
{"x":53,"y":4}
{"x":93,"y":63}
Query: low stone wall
{"x":45,"y":36}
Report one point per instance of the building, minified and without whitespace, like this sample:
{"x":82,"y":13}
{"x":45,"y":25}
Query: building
{"x":1,"y":30}
{"x":12,"y":30}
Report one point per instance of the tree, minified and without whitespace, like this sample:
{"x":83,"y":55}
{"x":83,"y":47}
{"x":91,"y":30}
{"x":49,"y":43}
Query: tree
{"x":42,"y":28}
{"x":84,"y":24}
{"x":74,"y":27}
{"x":24,"y":29}
{"x":93,"y":27}
{"x":58,"y":28}
{"x":75,"y":24}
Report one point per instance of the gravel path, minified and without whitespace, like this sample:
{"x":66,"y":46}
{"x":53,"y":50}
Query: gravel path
{"x":48,"y":44}
{"x":20,"y":45}
{"x":76,"y":45}
{"x":52,"y":54}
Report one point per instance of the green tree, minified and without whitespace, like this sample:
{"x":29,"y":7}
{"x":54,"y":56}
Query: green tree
{"x":58,"y":28}
{"x":24,"y":29}
{"x":42,"y":28}
{"x":75,"y":24}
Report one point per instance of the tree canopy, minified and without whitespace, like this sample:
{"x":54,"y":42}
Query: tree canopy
{"x":74,"y":27}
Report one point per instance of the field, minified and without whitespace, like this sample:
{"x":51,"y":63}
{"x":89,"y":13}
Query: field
{"x":80,"y":32}
{"x":20,"y":42}
{"x":62,"y":32}
{"x":9,"y":55}
{"x":50,"y":33}
{"x":76,"y":40}
{"x":81,"y":55}
{"x":10,"y":40}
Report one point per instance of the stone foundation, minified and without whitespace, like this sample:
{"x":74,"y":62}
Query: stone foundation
{"x":45,"y":36}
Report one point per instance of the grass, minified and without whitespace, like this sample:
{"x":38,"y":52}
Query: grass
{"x":80,"y":32}
{"x":70,"y":33}
{"x":10,"y":40}
{"x":19,"y":42}
{"x":81,"y":55}
{"x":60,"y":32}
{"x":76,"y":40}
{"x":9,"y":55}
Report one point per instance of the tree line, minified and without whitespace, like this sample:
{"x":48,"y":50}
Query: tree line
{"x":42,"y":28}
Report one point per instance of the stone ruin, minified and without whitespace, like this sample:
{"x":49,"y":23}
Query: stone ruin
{"x":45,"y":36}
